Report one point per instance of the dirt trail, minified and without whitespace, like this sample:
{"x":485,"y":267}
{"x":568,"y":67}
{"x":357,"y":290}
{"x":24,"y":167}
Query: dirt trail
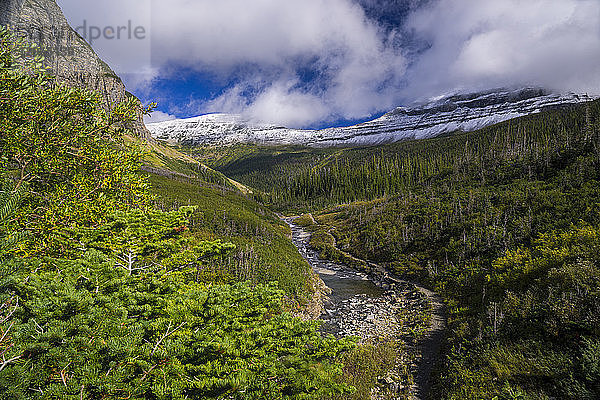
{"x":431,"y":344}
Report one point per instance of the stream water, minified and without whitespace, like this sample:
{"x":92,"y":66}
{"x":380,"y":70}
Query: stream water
{"x":358,"y":307}
{"x":344,"y":282}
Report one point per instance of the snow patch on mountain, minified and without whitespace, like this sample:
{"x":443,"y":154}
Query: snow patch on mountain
{"x":458,"y":112}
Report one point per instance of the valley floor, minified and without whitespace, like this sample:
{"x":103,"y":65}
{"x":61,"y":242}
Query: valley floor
{"x":376,"y":306}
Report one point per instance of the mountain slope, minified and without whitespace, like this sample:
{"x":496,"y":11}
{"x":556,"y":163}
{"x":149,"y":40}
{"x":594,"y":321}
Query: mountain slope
{"x":503,"y":222}
{"x":166,"y":161}
{"x":449,"y":114}
{"x":67,"y":55}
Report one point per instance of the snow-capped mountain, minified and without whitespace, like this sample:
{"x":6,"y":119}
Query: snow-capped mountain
{"x":462,"y":112}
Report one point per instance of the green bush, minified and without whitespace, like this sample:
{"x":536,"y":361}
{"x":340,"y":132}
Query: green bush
{"x":67,"y":149}
{"x":89,"y":330}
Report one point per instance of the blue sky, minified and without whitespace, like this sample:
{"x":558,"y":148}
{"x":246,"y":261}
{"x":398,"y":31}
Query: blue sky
{"x":189,"y":90}
{"x":319,"y":63}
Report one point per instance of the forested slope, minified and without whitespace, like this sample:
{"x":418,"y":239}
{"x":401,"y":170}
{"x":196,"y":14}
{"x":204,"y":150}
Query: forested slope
{"x":503,"y":222}
{"x":108,"y":291}
{"x":224,"y":209}
{"x":302,"y":177}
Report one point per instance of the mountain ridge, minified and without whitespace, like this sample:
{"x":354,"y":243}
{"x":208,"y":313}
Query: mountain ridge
{"x":456,"y":112}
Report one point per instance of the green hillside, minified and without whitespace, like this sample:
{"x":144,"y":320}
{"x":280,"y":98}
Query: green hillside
{"x":263,"y":251}
{"x":503,"y":222}
{"x":316,"y":178}
{"x":117,"y":284}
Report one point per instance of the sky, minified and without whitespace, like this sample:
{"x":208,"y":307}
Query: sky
{"x":320,"y":63}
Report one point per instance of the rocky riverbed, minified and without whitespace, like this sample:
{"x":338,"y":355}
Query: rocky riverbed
{"x":377,"y":307}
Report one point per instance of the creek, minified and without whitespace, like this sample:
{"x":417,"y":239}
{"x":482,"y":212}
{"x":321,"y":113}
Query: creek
{"x":377,"y":307}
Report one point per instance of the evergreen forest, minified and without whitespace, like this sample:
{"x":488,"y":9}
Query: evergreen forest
{"x":502,"y":222}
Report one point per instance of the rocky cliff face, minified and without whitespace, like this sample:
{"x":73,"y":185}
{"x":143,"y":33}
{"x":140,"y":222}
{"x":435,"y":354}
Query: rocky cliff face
{"x":465,"y":112}
{"x":68,"y":56}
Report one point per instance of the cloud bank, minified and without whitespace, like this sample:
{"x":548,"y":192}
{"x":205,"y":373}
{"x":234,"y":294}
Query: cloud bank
{"x":305,"y":62}
{"x":503,"y":43}
{"x":290,"y":62}
{"x":158,"y":116}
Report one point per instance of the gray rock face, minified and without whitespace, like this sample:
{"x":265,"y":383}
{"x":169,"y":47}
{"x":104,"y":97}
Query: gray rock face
{"x":67,"y":55}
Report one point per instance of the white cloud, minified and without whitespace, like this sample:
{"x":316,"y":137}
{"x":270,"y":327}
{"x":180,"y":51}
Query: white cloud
{"x":270,"y":38}
{"x":492,"y":43}
{"x":119,"y":31}
{"x":256,"y":48}
{"x":158,"y":116}
{"x":291,"y":108}
{"x":227,"y":32}
{"x":278,"y":103}
{"x":259,"y":44}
